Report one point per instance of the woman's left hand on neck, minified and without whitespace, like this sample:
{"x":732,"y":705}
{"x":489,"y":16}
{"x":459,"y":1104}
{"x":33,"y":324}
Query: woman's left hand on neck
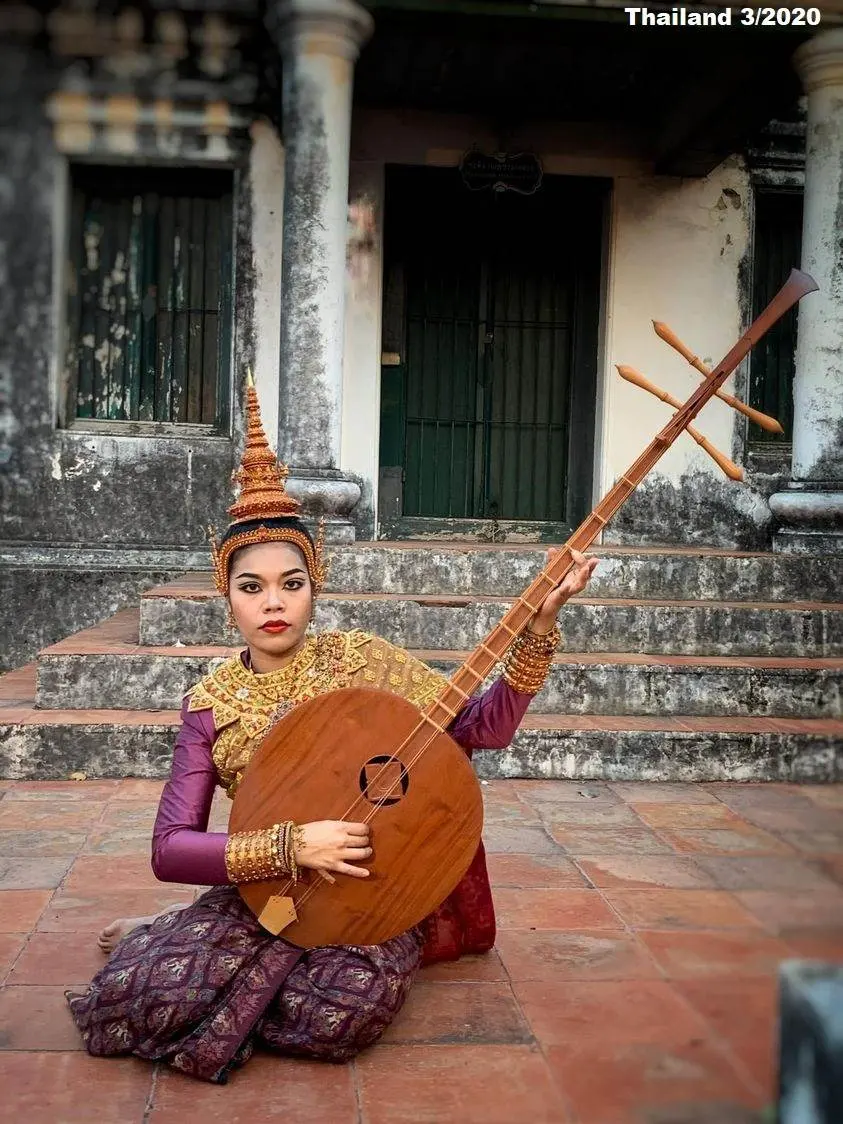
{"x":574,"y":581}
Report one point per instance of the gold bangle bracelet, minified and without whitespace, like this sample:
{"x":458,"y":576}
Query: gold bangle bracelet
{"x":528,"y":662}
{"x":253,"y":856}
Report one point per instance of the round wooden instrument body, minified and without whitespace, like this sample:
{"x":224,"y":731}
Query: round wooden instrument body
{"x":343,"y":755}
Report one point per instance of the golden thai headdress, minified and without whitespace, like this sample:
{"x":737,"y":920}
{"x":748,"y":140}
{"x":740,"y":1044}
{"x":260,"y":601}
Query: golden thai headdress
{"x":263,"y":499}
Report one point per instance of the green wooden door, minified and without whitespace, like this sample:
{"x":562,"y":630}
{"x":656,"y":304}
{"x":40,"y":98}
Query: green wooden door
{"x":777,"y":247}
{"x":490,"y":316}
{"x":149,"y":300}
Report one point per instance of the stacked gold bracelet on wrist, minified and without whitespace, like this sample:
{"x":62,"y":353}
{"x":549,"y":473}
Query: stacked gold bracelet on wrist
{"x":290,"y":838}
{"x":528,"y":660}
{"x":251,"y":856}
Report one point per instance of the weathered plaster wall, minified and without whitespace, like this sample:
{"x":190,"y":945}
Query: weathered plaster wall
{"x":818,"y":388}
{"x":361,"y":358}
{"x":67,"y":484}
{"x":27,"y":187}
{"x":676,"y":251}
{"x":677,"y":254}
{"x":67,"y":487}
{"x":362,"y":355}
{"x":415,"y":137}
{"x":43,"y":605}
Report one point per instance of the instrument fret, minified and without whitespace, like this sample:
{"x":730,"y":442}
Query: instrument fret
{"x":459,"y":690}
{"x":477,"y":676}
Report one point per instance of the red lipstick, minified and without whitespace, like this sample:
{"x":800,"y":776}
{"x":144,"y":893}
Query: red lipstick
{"x":275,"y":626}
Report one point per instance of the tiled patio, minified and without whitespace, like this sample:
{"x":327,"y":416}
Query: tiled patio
{"x":634,"y":978}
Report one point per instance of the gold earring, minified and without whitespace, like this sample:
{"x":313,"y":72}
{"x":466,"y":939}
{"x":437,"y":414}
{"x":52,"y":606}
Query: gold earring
{"x":230,"y":621}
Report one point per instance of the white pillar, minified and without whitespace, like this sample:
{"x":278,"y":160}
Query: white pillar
{"x":266,"y":173}
{"x":811,"y":510}
{"x":363,"y":333}
{"x":319,"y":41}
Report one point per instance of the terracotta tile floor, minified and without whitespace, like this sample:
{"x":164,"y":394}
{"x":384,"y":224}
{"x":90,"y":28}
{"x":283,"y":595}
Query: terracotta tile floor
{"x":633,"y":982}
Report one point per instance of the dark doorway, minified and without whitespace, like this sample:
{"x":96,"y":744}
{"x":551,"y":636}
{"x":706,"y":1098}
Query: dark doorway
{"x":777,"y":244}
{"x":491,"y":303}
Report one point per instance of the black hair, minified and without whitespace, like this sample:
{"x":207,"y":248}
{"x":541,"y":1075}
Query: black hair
{"x":287,"y":523}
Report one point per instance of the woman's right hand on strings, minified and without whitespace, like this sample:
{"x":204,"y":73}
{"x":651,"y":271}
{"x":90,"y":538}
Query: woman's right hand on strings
{"x":334,"y":846}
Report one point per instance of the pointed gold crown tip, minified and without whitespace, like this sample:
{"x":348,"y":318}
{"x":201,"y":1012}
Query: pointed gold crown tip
{"x":261,"y":476}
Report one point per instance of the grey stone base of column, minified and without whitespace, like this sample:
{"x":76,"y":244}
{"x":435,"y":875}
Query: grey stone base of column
{"x":807,"y":542}
{"x":811,"y":1043}
{"x":810,"y":519}
{"x":327,"y":494}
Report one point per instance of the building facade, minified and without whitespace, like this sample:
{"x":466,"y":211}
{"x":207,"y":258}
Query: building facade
{"x":431,"y":231}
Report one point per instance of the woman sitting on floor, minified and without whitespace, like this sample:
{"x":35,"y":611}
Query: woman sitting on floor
{"x":200,"y":985}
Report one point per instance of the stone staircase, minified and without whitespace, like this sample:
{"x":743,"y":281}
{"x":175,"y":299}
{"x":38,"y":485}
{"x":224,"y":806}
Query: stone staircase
{"x":679,"y":664}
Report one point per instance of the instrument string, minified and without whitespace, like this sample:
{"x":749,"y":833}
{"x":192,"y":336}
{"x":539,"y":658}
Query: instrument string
{"x":797,"y":285}
{"x":422,"y":749}
{"x":312,"y":889}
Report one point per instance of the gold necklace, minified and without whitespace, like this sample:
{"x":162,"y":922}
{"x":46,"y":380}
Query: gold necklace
{"x":245,"y":704}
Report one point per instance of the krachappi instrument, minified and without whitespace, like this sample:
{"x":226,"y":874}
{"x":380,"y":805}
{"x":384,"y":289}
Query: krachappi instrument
{"x":366,"y":755}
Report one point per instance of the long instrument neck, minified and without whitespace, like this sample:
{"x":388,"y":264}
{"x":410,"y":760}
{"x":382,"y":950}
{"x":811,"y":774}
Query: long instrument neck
{"x":491,"y":650}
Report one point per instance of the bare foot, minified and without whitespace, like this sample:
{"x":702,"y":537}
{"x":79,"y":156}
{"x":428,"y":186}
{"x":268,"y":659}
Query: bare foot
{"x":113,"y":933}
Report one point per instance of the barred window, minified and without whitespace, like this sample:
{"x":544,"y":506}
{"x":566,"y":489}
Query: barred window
{"x":149,"y":296}
{"x":777,"y":250}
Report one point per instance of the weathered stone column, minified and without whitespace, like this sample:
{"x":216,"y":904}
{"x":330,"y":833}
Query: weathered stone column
{"x":319,"y":41}
{"x":811,"y":509}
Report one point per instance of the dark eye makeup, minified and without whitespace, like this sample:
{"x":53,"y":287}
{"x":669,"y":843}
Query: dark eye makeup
{"x":255,"y":587}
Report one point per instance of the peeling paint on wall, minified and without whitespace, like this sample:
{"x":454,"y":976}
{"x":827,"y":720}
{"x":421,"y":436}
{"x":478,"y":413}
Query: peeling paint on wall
{"x":67,"y":486}
{"x":677,"y":254}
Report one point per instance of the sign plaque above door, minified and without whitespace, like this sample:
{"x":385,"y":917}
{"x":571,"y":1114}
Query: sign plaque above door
{"x":501,"y":171}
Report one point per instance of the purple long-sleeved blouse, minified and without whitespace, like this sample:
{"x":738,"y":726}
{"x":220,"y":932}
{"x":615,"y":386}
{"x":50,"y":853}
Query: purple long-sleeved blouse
{"x":183,"y":850}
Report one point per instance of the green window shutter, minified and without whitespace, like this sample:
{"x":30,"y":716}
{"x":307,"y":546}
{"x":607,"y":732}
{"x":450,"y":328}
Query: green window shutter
{"x":149,"y":303}
{"x":777,"y":250}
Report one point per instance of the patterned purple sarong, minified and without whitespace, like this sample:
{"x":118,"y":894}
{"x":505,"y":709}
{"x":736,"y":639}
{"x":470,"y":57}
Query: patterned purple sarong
{"x":199,"y":988}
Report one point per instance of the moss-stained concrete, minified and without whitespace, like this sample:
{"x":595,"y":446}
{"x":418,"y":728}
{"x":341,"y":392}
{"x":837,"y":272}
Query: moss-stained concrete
{"x":457,"y":624}
{"x":159,"y":682}
{"x":101,"y":749}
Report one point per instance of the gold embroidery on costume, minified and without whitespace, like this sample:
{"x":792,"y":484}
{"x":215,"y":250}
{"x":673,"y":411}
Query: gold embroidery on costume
{"x":394,"y":670}
{"x":245,"y":705}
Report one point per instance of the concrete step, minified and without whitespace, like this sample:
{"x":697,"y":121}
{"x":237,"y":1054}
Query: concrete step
{"x":52,"y":745}
{"x":107,"y":668}
{"x":657,"y":573}
{"x":661,"y":573}
{"x":478,"y":568}
{"x":188,"y":614}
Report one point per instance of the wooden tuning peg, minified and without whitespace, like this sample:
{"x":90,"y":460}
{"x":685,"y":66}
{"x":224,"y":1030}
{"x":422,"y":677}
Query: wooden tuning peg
{"x":770,"y":424}
{"x":723,"y":462}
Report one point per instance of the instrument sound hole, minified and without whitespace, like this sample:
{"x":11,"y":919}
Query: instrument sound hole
{"x":384,"y":780}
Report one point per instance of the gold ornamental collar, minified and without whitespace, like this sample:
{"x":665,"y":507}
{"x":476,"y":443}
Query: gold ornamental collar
{"x":235,"y":693}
